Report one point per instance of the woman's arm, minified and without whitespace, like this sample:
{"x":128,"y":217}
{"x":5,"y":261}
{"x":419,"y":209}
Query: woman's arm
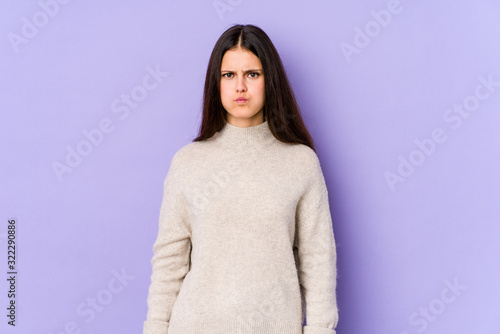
{"x":171,"y":254}
{"x":316,"y":250}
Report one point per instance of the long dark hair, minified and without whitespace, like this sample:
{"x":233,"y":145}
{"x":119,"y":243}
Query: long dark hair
{"x":280,"y":107}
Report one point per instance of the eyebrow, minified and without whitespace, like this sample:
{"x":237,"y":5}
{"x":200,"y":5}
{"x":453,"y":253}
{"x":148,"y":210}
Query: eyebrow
{"x":247,"y":71}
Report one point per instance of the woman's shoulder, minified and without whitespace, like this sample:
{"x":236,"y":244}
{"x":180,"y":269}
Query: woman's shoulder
{"x":302,"y":154}
{"x":187,"y":152}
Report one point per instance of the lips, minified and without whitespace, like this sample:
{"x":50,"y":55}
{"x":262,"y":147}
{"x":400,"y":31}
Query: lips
{"x":241,"y":99}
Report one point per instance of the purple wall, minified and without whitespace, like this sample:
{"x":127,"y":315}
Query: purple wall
{"x":401,"y":97}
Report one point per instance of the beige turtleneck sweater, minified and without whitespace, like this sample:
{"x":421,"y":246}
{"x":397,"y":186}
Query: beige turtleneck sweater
{"x":245,"y":241}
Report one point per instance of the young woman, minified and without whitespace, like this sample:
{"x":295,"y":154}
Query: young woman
{"x":245,"y":241}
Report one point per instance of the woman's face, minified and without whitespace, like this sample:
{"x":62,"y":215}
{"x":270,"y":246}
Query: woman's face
{"x":242,"y":76}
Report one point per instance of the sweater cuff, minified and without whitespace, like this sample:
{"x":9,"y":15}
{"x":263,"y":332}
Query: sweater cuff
{"x":155,"y":327}
{"x":317,"y":330}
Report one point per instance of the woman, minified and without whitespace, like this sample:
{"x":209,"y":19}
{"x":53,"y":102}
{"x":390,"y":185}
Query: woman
{"x":245,"y":241}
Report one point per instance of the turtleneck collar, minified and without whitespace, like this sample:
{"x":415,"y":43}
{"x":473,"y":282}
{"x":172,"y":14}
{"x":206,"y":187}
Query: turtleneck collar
{"x":253,"y":135}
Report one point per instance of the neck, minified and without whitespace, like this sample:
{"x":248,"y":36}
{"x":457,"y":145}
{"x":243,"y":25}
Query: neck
{"x":240,"y":136}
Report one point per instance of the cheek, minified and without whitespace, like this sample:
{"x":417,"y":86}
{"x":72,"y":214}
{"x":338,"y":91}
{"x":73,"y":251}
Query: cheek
{"x":224,"y":92}
{"x":261,"y":90}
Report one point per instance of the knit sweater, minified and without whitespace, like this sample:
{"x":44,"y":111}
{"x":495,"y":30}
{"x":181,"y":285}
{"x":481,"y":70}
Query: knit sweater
{"x":245,"y":242}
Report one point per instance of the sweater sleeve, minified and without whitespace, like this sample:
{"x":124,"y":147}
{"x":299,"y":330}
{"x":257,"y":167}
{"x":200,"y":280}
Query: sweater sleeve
{"x":171,"y":254}
{"x":316,"y":251}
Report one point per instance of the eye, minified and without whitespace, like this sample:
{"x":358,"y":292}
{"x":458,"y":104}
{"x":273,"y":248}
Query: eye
{"x":224,"y":75}
{"x":256,"y":74}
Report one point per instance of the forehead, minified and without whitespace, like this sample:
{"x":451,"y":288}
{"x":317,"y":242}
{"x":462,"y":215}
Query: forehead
{"x":240,"y":59}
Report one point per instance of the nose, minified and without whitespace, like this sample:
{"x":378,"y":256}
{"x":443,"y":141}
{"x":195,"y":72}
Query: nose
{"x":240,"y":84}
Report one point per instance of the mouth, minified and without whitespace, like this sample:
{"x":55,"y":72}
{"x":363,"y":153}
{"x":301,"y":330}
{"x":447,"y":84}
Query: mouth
{"x":241,"y":100}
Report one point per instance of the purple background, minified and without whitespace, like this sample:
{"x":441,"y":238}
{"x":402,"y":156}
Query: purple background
{"x":397,"y":246}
